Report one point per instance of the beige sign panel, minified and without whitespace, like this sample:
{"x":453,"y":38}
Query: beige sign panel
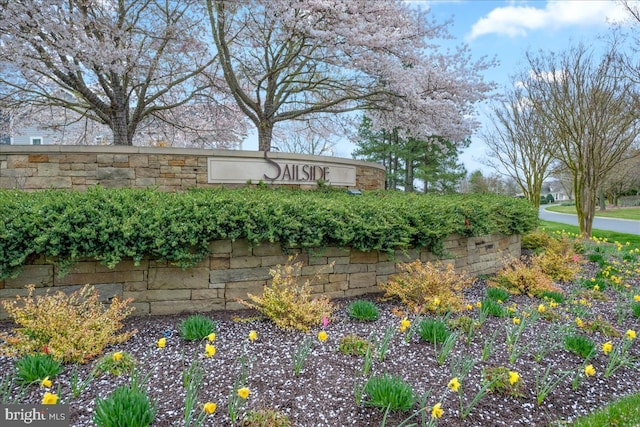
{"x":278,"y":171}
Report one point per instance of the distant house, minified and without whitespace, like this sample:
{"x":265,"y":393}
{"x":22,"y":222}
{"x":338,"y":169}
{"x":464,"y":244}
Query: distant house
{"x":555,"y":189}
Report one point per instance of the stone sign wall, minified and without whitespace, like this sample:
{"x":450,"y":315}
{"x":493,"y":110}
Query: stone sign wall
{"x":175,"y":169}
{"x":234,"y":269}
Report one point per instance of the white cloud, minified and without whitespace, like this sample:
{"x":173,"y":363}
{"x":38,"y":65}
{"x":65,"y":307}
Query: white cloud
{"x":516,"y":20}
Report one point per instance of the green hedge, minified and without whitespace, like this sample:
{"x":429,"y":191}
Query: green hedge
{"x":112,"y":224}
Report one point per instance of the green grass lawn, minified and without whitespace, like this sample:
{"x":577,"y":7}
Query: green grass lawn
{"x":611,"y":236}
{"x":622,"y":213}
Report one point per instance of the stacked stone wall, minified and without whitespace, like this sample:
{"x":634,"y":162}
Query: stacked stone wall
{"x":234,"y":268}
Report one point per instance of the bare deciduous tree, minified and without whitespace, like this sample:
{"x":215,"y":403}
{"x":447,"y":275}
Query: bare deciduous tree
{"x":589,"y":107}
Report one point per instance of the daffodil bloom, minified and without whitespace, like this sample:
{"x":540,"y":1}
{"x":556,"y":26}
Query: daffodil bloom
{"x":244,"y":392}
{"x":516,"y":320}
{"x":579,"y":322}
{"x":253,"y":335}
{"x":117,"y":356}
{"x":454,"y":384}
{"x":436,"y":301}
{"x":49,"y":398}
{"x":469,"y":307}
{"x":553,"y":304}
{"x":322,"y":336}
{"x":631,"y":334}
{"x":209,"y":408}
{"x":636,"y":298}
{"x":209,"y":350}
{"x":607,"y":347}
{"x":589,"y":370}
{"x":436,"y":411}
{"x":162,"y":342}
{"x":404,"y":324}
{"x":596,"y":288}
{"x":541,"y":308}
{"x":46,"y":382}
{"x":514,"y":377}
{"x":211,"y":337}
{"x":479,"y":304}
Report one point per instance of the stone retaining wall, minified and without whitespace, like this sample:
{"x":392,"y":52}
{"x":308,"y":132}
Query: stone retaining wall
{"x":169,"y":169}
{"x":234,"y":269}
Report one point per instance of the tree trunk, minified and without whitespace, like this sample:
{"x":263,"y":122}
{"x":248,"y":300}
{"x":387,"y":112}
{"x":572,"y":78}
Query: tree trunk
{"x":120,"y":129}
{"x":408,"y":176}
{"x":265,"y":134}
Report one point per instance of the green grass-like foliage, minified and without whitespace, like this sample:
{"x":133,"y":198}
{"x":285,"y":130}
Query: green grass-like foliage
{"x":196,"y":327}
{"x":113,"y":224}
{"x":635,"y":309}
{"x":388,"y":391}
{"x":622,"y":412}
{"x":363,"y":310}
{"x":265,"y":417}
{"x":124,"y":364}
{"x":36,"y":367}
{"x":493,"y":308}
{"x":433,"y":330}
{"x":354,"y":345}
{"x":580,"y":345}
{"x":128,"y":405}
{"x":498,"y":294}
{"x":553,"y":296}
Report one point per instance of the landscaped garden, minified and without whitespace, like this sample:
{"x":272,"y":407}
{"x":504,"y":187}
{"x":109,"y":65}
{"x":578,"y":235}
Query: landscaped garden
{"x":550,"y":337}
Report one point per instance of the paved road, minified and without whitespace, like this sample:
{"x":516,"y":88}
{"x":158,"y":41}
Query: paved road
{"x":627,"y":226}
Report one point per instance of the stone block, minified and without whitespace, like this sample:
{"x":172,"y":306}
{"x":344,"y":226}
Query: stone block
{"x":350,"y":268}
{"x":177,"y":278}
{"x":272,"y":261}
{"x":107,"y":277}
{"x":104,"y":158}
{"x":141,"y":309}
{"x":134,"y":286}
{"x":239,"y":275}
{"x":38,"y":275}
{"x":241,"y":248}
{"x":38,"y":158}
{"x":221,"y":247}
{"x":340,"y":260}
{"x":358,"y":257}
{"x":241,"y":289}
{"x":159,"y":295}
{"x":408,"y":255}
{"x":245,"y":262}
{"x":48,"y":169}
{"x":114,"y":174}
{"x":17,"y":161}
{"x":44,"y":182}
{"x":313,"y":270}
{"x":138,"y":161}
{"x":386,"y":268}
{"x":336,"y":286}
{"x":174,"y":307}
{"x":198,"y":294}
{"x":266,"y":249}
{"x":121,"y":158}
{"x":319,"y":260}
{"x":219,"y":263}
{"x":362,"y":280}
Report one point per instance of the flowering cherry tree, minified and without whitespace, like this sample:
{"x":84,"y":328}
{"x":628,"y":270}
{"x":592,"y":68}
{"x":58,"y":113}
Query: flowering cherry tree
{"x":116,"y":62}
{"x":287,"y":60}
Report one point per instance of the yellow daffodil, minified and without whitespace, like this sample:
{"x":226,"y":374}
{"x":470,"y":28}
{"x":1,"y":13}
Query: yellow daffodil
{"x":596,"y":287}
{"x":589,"y":370}
{"x":631,"y":334}
{"x":436,"y":411}
{"x":469,"y":307}
{"x":607,"y":347}
{"x":553,"y":304}
{"x":162,"y":342}
{"x":49,"y":399}
{"x":454,"y":384}
{"x":322,"y":336}
{"x":209,"y":350}
{"x":404,"y":324}
{"x":579,"y":322}
{"x":514,"y":377}
{"x":436,"y":301}
{"x":46,"y":382}
{"x":211,"y":337}
{"x":253,"y":335}
{"x":516,"y":320}
{"x":479,"y":304}
{"x":636,"y":298}
{"x":209,"y":408}
{"x":117,"y":356}
{"x":541,"y":308}
{"x":244,"y":392}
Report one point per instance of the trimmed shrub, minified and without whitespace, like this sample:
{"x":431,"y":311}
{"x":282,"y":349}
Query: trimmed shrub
{"x":519,"y":278}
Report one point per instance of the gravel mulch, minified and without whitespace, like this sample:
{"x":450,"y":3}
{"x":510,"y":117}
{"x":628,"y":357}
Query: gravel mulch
{"x":323,"y":393}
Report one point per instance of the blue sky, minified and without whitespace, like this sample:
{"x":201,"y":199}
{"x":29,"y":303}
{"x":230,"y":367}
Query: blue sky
{"x":507,"y":30}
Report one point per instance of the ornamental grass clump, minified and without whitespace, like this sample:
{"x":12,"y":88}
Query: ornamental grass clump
{"x":433,"y":330}
{"x":32,"y":368}
{"x":498,"y":294}
{"x":363,"y":310}
{"x":288,"y":304}
{"x":196,"y":327}
{"x":580,"y":345}
{"x":117,"y":363}
{"x":389,"y":392}
{"x":428,"y":286}
{"x":128,"y":405}
{"x":265,"y":417}
{"x":73,"y":328}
